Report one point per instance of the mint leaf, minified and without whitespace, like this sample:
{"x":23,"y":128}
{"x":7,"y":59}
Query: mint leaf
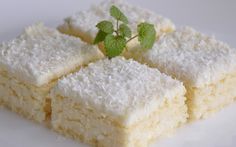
{"x":99,"y":37}
{"x":125,"y":31}
{"x":105,"y":26}
{"x":146,"y":35}
{"x":117,"y":14}
{"x":116,"y":38}
{"x":114,"y":45}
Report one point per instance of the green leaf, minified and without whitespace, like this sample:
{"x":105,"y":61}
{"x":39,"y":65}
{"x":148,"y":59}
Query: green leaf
{"x":117,"y":14}
{"x":105,"y":26}
{"x":146,"y":35}
{"x":99,"y":37}
{"x":114,"y":45}
{"x":124,"y":30}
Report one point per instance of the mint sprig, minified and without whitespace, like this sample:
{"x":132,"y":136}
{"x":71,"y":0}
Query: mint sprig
{"x":116,"y":38}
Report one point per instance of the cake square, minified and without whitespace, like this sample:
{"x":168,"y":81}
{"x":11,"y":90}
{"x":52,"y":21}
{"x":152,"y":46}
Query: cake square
{"x":82,"y":23}
{"x":31,"y":64}
{"x":118,"y":103}
{"x":205,"y":65}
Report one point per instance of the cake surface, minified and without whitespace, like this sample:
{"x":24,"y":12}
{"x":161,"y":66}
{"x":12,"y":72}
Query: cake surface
{"x":31,"y":64}
{"x":82,"y":24}
{"x":196,"y":59}
{"x":117,"y":99}
{"x":41,"y":54}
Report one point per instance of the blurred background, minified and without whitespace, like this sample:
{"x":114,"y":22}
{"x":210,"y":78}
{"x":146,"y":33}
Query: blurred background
{"x":214,"y":17}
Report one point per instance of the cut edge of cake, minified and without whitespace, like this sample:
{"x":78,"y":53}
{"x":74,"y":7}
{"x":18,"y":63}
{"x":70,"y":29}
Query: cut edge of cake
{"x":97,"y":125}
{"x":201,"y":62}
{"x":28,"y":73}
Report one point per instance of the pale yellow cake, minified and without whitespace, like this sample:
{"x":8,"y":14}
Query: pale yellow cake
{"x":83,"y":23}
{"x":205,"y":65}
{"x":117,"y":103}
{"x":31,"y":64}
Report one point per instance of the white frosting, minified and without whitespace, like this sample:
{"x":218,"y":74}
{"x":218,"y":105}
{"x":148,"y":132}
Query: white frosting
{"x":86,"y":21}
{"x":122,"y":88}
{"x":41,"y":54}
{"x":192,"y":57}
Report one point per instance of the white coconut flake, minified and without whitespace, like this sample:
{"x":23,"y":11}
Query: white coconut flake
{"x":86,"y":20}
{"x":123,"y":88}
{"x":192,"y":57}
{"x":41,"y":54}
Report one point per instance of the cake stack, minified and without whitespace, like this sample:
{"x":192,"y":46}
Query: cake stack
{"x":129,"y":101}
{"x":118,"y":102}
{"x":205,"y":65}
{"x":31,"y":64}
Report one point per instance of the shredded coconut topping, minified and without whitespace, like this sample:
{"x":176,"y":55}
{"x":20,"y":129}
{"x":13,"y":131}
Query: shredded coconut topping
{"x":192,"y":57}
{"x":120,"y":87}
{"x":86,"y":20}
{"x":41,"y":54}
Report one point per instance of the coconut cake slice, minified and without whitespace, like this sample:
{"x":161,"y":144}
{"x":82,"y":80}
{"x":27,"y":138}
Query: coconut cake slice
{"x":31,"y":64}
{"x":118,"y":103}
{"x":205,"y":65}
{"x":82,"y":23}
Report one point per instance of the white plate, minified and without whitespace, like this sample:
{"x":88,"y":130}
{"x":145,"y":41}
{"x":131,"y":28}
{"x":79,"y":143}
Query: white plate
{"x":209,"y":16}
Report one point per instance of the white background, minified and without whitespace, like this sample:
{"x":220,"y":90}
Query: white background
{"x":214,"y":17}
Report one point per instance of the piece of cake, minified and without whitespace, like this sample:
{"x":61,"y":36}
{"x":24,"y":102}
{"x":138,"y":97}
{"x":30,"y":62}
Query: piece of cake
{"x":205,"y":65}
{"x":82,"y":24}
{"x":118,"y":103}
{"x":31,"y":64}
